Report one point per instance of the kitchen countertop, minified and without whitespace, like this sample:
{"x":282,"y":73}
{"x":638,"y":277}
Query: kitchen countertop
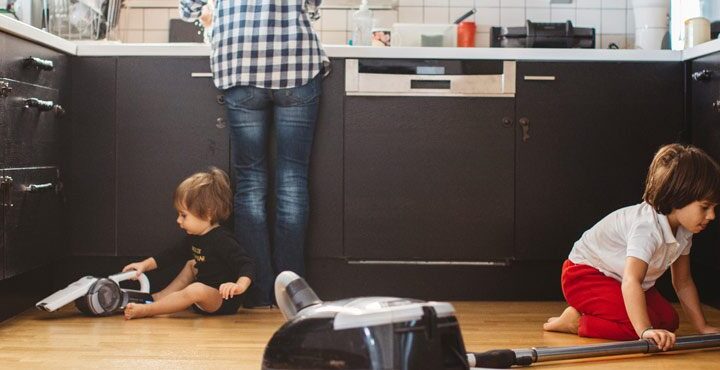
{"x":100,"y":48}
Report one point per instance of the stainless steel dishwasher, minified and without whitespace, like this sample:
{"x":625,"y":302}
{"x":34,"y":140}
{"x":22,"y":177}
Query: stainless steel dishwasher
{"x":429,"y":157}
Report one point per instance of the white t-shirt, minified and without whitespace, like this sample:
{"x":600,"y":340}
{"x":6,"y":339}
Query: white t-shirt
{"x":637,"y":231}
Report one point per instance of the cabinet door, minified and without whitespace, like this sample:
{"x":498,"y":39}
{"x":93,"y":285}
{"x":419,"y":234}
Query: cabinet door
{"x":167,"y":129}
{"x":91,"y":178}
{"x":592,"y":132}
{"x":705,"y":129}
{"x":428,"y":178}
{"x":33,"y":222}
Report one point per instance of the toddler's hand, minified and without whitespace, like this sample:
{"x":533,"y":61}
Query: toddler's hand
{"x":137,"y":266}
{"x":229,"y":290}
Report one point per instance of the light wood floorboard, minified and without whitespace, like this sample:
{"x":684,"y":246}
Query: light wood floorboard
{"x":67,"y":339}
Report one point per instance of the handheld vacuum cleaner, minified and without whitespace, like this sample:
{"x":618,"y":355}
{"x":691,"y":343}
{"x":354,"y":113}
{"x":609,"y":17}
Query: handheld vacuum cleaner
{"x":386,"y":333}
{"x":99,"y":296}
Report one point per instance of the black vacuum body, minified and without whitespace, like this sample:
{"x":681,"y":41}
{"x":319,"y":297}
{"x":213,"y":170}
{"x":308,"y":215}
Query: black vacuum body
{"x":378,"y":333}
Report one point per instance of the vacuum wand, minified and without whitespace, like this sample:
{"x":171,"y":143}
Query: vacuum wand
{"x":505,"y":358}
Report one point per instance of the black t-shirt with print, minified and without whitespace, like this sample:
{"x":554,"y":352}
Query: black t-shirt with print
{"x":219,"y":257}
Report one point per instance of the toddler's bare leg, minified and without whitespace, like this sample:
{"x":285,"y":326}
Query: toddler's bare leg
{"x":207,"y":298}
{"x":567,"y":322}
{"x":182,"y":280}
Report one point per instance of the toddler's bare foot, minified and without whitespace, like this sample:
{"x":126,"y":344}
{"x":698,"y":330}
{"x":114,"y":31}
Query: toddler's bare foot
{"x":567,"y":322}
{"x":136,"y":311}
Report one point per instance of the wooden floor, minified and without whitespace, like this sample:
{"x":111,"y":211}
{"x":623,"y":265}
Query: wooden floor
{"x":66,"y":339}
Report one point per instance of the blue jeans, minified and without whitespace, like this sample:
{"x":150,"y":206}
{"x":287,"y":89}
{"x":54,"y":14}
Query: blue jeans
{"x":251,"y":111}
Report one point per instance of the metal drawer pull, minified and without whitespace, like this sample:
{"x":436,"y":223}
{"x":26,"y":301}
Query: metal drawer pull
{"x":5,"y":89}
{"x":539,"y":78}
{"x":201,"y":74}
{"x":38,"y":188}
{"x":38,"y":64}
{"x":704,"y":75}
{"x":45,"y":105}
{"x":41,"y":105}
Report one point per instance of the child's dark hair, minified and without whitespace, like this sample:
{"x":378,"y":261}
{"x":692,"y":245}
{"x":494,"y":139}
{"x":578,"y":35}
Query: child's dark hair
{"x":206,"y":195}
{"x":679,"y":175}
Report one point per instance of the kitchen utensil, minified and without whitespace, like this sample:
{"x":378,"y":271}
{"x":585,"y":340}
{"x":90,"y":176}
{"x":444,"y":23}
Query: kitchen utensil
{"x":465,"y":16}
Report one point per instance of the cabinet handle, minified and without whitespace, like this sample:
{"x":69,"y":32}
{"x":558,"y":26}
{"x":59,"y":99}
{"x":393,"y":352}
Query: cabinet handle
{"x":5,"y":89}
{"x":39,"y":188}
{"x":6,"y":191}
{"x":716,"y":105}
{"x":539,"y":78}
{"x":45,"y":105}
{"x":704,"y":75}
{"x":38,"y":64}
{"x":525,"y":124}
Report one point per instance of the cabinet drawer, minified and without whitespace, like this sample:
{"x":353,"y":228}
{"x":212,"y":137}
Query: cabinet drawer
{"x":32,"y":223}
{"x":28,"y":126}
{"x":13,"y":63}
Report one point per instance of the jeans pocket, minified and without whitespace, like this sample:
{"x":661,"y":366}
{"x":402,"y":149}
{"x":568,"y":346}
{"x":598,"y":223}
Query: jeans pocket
{"x":239,"y":96}
{"x":301,"y":95}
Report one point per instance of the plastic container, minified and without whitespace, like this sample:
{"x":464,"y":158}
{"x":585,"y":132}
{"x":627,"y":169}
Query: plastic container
{"x":466,"y":34}
{"x":362,"y":25}
{"x":423,"y":34}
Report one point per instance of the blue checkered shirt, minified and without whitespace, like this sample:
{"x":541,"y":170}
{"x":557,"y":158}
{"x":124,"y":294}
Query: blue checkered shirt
{"x":263,"y":43}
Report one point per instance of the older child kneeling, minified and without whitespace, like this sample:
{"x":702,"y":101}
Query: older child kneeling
{"x":608,"y":279}
{"x":218,"y":271}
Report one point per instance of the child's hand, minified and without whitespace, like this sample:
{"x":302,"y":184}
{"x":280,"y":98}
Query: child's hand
{"x":229,"y":290}
{"x":137,"y":266}
{"x":664,"y":339}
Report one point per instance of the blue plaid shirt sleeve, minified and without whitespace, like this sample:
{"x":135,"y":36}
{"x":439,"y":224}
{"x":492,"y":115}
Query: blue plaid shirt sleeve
{"x":190,"y":9}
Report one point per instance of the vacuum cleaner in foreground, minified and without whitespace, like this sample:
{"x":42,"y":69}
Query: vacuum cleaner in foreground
{"x":99,"y":296}
{"x":385,"y":333}
{"x":361,"y":333}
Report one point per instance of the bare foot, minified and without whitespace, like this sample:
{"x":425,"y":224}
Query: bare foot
{"x":136,"y":311}
{"x":567,"y":322}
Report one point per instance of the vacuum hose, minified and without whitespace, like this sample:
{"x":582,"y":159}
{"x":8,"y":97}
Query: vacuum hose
{"x":293,"y":294}
{"x":506,"y":358}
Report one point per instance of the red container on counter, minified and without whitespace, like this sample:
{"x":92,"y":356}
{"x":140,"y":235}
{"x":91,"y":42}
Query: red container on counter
{"x":466,"y":34}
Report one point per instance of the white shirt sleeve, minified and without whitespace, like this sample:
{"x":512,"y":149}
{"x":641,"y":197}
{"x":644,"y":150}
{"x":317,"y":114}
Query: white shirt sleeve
{"x":643,"y":241}
{"x":686,"y":251}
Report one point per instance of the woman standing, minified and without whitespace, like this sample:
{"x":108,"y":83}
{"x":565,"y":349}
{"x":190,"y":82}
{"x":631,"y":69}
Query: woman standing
{"x":269,"y":62}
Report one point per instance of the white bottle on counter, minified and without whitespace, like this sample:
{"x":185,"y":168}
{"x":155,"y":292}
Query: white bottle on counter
{"x":362,"y":25}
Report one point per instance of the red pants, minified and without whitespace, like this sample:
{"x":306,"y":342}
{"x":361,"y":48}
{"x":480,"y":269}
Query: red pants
{"x":599,"y":299}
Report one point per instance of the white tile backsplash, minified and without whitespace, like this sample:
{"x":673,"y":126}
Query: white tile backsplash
{"x":612,"y":19}
{"x":410,"y":14}
{"x":512,"y":17}
{"x":538,"y":15}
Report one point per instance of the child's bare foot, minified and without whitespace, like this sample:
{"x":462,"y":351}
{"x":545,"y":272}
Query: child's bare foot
{"x":567,"y":322}
{"x":136,"y":311}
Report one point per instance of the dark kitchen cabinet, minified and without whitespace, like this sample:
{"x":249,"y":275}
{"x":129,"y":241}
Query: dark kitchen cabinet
{"x":30,"y":125}
{"x":704,"y":93}
{"x":586,"y":135}
{"x":428,"y":178}
{"x":33,"y":232}
{"x":91,"y":181}
{"x":169,"y":125}
{"x":325,"y":229}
